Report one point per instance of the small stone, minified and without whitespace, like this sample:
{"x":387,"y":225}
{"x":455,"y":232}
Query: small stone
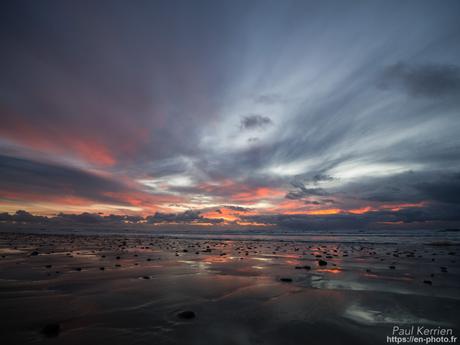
{"x":51,"y":330}
{"x":322,"y":262}
{"x":429,"y":282}
{"x":286,"y":280}
{"x":306,"y":267}
{"x":186,"y":315}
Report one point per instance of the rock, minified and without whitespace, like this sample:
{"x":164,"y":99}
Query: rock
{"x":186,"y":315}
{"x":51,"y":330}
{"x":286,"y":280}
{"x":306,"y":267}
{"x":145,"y":277}
{"x":392,"y":267}
{"x":429,"y":282}
{"x":34,"y":253}
{"x":322,"y":262}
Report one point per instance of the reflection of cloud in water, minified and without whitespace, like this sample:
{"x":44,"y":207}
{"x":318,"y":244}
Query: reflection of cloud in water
{"x":200,"y":265}
{"x":262,"y":259}
{"x":330,"y":270}
{"x":218,"y":259}
{"x":10,"y":251}
{"x":370,"y":317}
{"x":321,"y":282}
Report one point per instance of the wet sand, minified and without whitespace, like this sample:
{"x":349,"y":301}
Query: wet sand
{"x":74,"y":289}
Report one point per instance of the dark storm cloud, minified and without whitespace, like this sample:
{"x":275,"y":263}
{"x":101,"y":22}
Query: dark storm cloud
{"x":438,"y":215}
{"x":84,"y":218}
{"x":255,"y":121}
{"x":445,"y":190}
{"x":21,"y":216}
{"x":408,"y":187}
{"x":45,"y":179}
{"x":94,"y":218}
{"x":430,"y":80}
{"x":190,"y":216}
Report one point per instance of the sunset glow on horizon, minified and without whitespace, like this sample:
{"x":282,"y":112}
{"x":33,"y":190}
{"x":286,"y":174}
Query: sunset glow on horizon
{"x":270,"y":118}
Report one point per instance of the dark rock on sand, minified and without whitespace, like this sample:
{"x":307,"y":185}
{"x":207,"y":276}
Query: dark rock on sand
{"x":429,"y":282}
{"x":34,"y":253}
{"x":322,"y":262}
{"x":286,"y":280}
{"x":186,"y":315}
{"x":51,"y":330}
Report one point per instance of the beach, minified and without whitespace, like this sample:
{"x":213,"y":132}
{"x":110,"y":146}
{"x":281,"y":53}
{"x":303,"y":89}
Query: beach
{"x":144,"y":289}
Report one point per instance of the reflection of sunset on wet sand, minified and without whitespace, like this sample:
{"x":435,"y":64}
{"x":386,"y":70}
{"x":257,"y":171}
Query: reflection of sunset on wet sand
{"x":85,"y":285}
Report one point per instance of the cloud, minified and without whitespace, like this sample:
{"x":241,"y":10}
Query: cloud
{"x":189,"y":216}
{"x":427,"y":217}
{"x":320,"y":202}
{"x":29,"y":181}
{"x":428,"y":80}
{"x":303,"y":192}
{"x":255,"y":121}
{"x":434,"y":186}
{"x":21,"y":216}
{"x":322,"y":177}
{"x":238,"y":208}
{"x":269,"y":99}
{"x":169,"y":110}
{"x":445,"y":190}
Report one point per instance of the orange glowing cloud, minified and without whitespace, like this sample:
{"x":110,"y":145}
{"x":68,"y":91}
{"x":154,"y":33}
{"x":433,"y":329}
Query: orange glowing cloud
{"x":361,"y":210}
{"x":86,"y":148}
{"x":229,"y":215}
{"x":261,"y":193}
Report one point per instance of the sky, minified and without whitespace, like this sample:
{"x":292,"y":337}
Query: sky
{"x":293,"y":114}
